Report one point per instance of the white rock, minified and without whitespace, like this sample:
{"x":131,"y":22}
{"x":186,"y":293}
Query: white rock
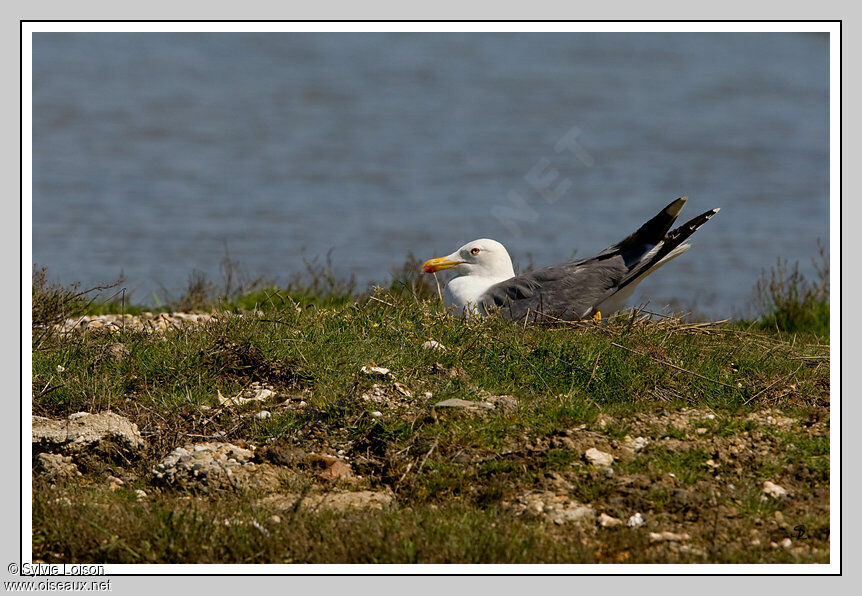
{"x":262,"y":415}
{"x":637,"y":443}
{"x":60,"y":369}
{"x":635,"y":521}
{"x":263,"y":394}
{"x":573,"y":514}
{"x":434,"y":345}
{"x":773,"y":490}
{"x":429,"y":395}
{"x":608,"y":521}
{"x":667,"y":537}
{"x":84,"y":430}
{"x":260,"y":394}
{"x":140,"y":494}
{"x":376,"y":414}
{"x":375,"y":371}
{"x":598,"y":458}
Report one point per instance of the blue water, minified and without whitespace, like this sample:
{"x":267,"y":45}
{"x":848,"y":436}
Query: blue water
{"x":152,"y":152}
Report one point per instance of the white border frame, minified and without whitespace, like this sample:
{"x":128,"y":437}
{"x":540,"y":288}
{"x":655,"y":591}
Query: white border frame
{"x":831,"y":27}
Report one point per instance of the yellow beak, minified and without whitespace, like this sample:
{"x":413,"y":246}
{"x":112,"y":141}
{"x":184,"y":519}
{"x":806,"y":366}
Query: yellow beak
{"x":435,"y":265}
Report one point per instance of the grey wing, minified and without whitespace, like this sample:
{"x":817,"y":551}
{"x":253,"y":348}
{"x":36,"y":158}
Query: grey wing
{"x":567,"y":291}
{"x":570,"y":291}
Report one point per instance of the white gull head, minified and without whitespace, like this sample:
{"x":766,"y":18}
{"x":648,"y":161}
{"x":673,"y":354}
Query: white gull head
{"x":480,"y":264}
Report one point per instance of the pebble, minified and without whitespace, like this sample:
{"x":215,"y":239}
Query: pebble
{"x":262,"y":415}
{"x":637,"y":443}
{"x":429,"y":395}
{"x":635,"y":521}
{"x":141,"y":494}
{"x":598,"y":458}
{"x":375,"y":371}
{"x":608,"y":521}
{"x":257,"y":394}
{"x":56,"y":465}
{"x":667,"y":537}
{"x":700,"y":431}
{"x":263,"y":394}
{"x":276,"y":519}
{"x":434,"y":345}
{"x":463,"y":403}
{"x":774,"y":490}
{"x":376,"y":414}
{"x":336,"y":469}
{"x":60,"y":368}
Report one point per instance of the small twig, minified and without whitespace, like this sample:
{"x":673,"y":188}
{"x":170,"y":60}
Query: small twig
{"x":424,"y":459}
{"x":592,"y":374}
{"x":46,"y":386}
{"x":48,"y":390}
{"x":658,"y":314}
{"x":383,"y":301}
{"x":439,"y":292}
{"x":699,"y":325}
{"x":404,"y":475}
{"x":765,"y":389}
{"x":679,"y":368}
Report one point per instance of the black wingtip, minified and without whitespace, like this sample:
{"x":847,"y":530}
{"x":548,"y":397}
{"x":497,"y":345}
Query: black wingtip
{"x":677,"y":235}
{"x":649,"y":234}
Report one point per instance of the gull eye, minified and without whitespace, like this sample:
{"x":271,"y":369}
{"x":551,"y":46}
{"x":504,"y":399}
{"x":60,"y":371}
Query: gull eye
{"x":474,"y":251}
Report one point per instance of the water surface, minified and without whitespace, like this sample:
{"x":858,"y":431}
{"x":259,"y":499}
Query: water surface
{"x":152,"y":152}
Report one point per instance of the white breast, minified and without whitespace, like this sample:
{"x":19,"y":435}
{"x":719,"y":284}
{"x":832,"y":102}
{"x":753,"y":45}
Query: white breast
{"x":464,"y":292}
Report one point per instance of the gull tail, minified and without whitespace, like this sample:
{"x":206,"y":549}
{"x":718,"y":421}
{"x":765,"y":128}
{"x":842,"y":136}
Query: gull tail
{"x":666,"y":249}
{"x":635,"y":246}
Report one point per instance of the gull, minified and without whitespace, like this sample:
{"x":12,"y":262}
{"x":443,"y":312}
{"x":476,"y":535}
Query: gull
{"x":570,"y":291}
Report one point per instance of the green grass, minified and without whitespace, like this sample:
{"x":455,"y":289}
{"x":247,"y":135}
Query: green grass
{"x":791,"y":303}
{"x":452,"y":474}
{"x":687,"y":466}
